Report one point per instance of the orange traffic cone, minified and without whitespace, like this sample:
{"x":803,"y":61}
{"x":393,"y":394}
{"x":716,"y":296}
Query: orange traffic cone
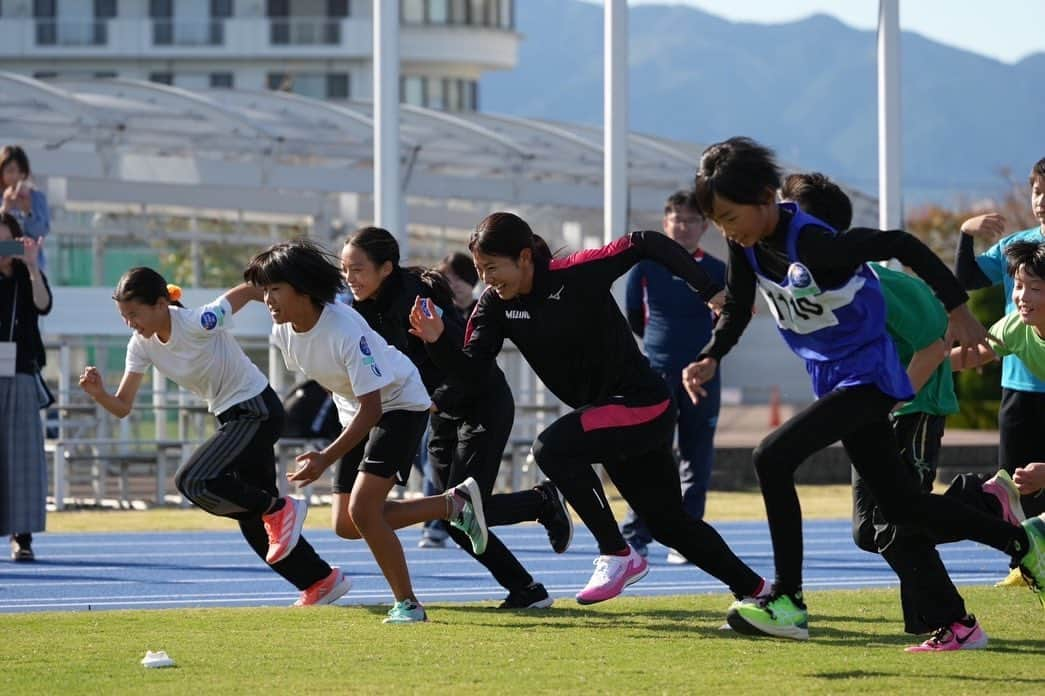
{"x":774,"y":407}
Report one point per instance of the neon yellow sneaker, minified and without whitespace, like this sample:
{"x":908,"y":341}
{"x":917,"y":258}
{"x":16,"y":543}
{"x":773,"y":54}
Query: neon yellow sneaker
{"x":1033,"y":562}
{"x":781,"y":616}
{"x":1013,"y":579}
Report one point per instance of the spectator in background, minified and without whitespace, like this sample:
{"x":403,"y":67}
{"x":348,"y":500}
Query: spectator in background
{"x":459,"y":271}
{"x":675,"y":325}
{"x":22,"y":199}
{"x":24,"y":296}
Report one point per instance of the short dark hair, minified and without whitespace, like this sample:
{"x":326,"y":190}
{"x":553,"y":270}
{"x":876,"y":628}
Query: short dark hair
{"x":13,"y":153}
{"x":681,"y":199}
{"x":816,"y":194}
{"x":11,"y":222}
{"x":145,"y":285}
{"x":738,"y":169}
{"x":1026,"y":255}
{"x":303,"y":265}
{"x":461,"y":265}
{"x":1037,"y":170}
{"x":377,"y":243}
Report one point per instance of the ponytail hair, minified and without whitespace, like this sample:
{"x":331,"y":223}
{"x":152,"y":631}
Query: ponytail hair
{"x":438,"y":287}
{"x":144,"y":285}
{"x":377,"y":243}
{"x":507,"y":234}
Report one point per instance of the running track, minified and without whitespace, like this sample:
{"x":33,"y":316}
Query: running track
{"x":80,"y":572}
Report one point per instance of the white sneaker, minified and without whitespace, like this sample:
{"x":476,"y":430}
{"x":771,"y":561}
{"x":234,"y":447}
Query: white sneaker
{"x":612,"y":574}
{"x":676,"y":558}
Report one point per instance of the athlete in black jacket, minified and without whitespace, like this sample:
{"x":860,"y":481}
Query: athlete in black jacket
{"x":471,"y":423}
{"x":562,"y":317}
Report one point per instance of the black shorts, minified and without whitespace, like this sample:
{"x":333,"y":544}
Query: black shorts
{"x":388,"y":451}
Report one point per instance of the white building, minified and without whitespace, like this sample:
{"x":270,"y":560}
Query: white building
{"x":315,"y":48}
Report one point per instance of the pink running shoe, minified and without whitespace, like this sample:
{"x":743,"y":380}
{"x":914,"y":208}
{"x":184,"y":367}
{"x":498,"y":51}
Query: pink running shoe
{"x":612,"y":574}
{"x":284,"y":528}
{"x":958,"y":636}
{"x":1002,"y":487}
{"x":325,"y":591}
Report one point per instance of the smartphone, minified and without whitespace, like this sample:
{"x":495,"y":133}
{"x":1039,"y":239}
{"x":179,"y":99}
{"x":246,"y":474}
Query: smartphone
{"x":427,"y":305}
{"x":11,"y":247}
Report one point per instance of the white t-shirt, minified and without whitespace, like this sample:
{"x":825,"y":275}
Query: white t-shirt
{"x":347,"y":358}
{"x":201,"y":356}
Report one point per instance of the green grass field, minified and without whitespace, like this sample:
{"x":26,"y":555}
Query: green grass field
{"x":628,"y":645}
{"x":640,"y":645}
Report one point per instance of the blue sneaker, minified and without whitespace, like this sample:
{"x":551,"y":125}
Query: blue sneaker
{"x":407,"y":611}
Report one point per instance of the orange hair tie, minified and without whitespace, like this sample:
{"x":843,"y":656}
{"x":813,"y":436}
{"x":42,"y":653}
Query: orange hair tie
{"x":174,"y":292}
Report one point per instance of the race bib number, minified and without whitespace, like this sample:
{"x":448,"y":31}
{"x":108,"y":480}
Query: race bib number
{"x":802,"y":307}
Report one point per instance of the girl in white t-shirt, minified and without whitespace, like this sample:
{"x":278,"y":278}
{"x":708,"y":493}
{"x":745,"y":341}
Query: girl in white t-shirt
{"x":232,"y":474}
{"x":382,"y":405}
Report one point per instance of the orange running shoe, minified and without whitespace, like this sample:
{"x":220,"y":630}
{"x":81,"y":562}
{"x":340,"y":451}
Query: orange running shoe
{"x":325,"y":591}
{"x":284,"y":528}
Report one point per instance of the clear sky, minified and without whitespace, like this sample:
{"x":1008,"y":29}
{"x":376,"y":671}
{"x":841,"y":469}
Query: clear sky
{"x":1007,"y":30}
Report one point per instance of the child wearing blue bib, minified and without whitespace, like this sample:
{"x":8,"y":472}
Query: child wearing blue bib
{"x":829,"y":309}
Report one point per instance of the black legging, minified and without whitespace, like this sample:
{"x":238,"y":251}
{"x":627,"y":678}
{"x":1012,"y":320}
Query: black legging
{"x":859,"y":417}
{"x":1020,"y":422}
{"x":632,"y":438}
{"x":233,"y":474}
{"x":472,"y":445}
{"x":927,"y":596}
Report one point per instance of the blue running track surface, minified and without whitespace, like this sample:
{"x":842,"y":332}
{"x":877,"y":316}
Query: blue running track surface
{"x":80,"y":572}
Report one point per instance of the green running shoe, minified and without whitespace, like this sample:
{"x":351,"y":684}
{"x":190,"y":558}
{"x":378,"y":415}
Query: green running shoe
{"x":407,"y":611}
{"x":782,"y":616}
{"x":1033,"y":562}
{"x":471,"y":520}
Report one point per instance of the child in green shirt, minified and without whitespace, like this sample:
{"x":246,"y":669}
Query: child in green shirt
{"x":1020,"y":333}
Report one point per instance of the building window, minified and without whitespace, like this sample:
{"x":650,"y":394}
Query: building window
{"x":337,"y":86}
{"x":163,"y":78}
{"x":189,"y":22}
{"x":412,"y":11}
{"x":73,"y":22}
{"x":438,"y":11}
{"x":412,"y":90}
{"x":460,"y":12}
{"x":300,"y":23}
{"x":453,"y":95}
{"x":314,"y":85}
{"x":479,"y":13}
{"x":435,"y":97}
{"x":221,"y":80}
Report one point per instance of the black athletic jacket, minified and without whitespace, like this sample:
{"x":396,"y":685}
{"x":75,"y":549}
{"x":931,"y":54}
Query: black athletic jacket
{"x":388,"y":313}
{"x":569,"y":327}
